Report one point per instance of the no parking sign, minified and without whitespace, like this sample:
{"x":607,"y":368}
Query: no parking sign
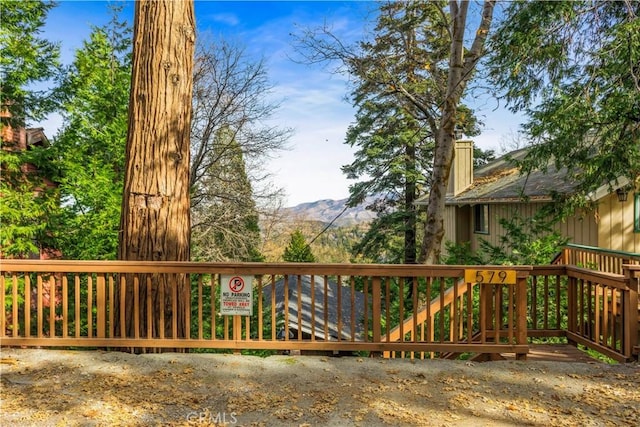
{"x":236,"y":295}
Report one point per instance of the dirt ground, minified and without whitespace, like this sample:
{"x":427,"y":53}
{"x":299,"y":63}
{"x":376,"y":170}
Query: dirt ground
{"x":83,"y":388}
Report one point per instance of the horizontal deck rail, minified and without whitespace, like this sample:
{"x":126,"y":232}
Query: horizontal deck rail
{"x":342,"y":307}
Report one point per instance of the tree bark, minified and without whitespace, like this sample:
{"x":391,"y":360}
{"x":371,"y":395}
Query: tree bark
{"x":155,"y":219}
{"x":461,"y":67}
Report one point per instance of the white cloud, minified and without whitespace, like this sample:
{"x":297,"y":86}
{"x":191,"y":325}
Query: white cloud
{"x":225,"y":18}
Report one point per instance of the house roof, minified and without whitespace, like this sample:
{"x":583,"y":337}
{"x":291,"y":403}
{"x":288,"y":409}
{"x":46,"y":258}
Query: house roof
{"x":500,"y":181}
{"x":316,"y":315}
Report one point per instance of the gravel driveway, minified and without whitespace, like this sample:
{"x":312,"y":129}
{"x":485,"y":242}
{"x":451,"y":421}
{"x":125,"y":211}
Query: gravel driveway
{"x":95,"y":388}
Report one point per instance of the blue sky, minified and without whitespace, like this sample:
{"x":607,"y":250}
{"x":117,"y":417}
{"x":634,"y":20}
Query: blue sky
{"x":313,"y":98}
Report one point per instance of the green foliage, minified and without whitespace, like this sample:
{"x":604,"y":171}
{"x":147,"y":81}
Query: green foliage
{"x":298,"y":250}
{"x":572,"y":68}
{"x":28,"y":204}
{"x":526,"y":241}
{"x":400,"y":76}
{"x":90,"y":148}
{"x":461,"y":254}
{"x":25,"y":59}
{"x":225,"y":218}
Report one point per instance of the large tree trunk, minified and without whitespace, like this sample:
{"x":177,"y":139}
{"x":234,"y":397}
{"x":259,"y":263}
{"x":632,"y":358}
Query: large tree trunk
{"x":155,"y":221}
{"x":461,"y":68}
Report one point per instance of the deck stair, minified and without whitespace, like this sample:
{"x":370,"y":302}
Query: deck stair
{"x":430,"y":310}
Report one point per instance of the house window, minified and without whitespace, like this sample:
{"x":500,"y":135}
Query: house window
{"x":481,"y":219}
{"x":636,"y":213}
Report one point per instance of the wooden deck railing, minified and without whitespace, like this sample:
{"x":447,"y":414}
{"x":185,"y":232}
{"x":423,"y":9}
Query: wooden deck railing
{"x":593,"y":258}
{"x":66,"y":303}
{"x":594,"y":309}
{"x":402,"y":310}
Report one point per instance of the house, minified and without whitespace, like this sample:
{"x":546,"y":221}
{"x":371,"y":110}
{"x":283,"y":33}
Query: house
{"x":477,"y":200}
{"x":346,"y":323}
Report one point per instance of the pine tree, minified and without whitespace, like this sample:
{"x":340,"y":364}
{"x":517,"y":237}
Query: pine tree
{"x":395,"y":136}
{"x":90,"y":147}
{"x":419,"y":59}
{"x":225,"y":218}
{"x":29,"y":200}
{"x":298,"y":250}
{"x":572,"y":68}
{"x":25,"y":58}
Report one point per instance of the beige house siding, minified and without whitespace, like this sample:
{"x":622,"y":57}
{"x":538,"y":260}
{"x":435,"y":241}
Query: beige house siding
{"x":580,"y":229}
{"x":615,"y":229}
{"x":450,"y":229}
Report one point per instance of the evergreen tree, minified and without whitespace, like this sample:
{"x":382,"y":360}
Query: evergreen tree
{"x":298,"y":250}
{"x":418,"y":65}
{"x":29,"y":200}
{"x":25,"y":59}
{"x":396,"y":139}
{"x":572,"y":67}
{"x":94,"y":97}
{"x":225,"y":218}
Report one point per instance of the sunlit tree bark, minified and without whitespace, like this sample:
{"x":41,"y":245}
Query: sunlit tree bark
{"x":155,"y":223}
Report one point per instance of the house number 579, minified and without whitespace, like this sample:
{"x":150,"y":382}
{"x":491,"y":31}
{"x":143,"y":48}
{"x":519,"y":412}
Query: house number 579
{"x":505,"y":277}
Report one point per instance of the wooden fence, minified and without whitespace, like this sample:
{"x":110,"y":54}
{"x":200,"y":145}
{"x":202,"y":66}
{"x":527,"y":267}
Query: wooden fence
{"x":595,"y":309}
{"x":593,"y":258}
{"x":398,"y":310}
{"x":64,"y":303}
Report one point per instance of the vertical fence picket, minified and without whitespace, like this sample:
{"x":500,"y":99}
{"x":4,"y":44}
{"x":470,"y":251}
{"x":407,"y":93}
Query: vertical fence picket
{"x":65,"y":305}
{"x":376,"y":308}
{"x":214,"y":291}
{"x":90,"y":305}
{"x":149,"y":305}
{"x":3,"y":314}
{"x":274,"y":327}
{"x":136,"y":307}
{"x":174,"y":307}
{"x":39,"y":305}
{"x":15,"y":323}
{"x":123,"y":301}
{"x":184,"y":281}
{"x":77,"y":324}
{"x":111,"y":306}
{"x":260,"y":314}
{"x":27,"y":305}
{"x":312,"y":281}
{"x":200,"y":330}
{"x":101,"y":306}
{"x":339,"y":292}
{"x":299,"y":307}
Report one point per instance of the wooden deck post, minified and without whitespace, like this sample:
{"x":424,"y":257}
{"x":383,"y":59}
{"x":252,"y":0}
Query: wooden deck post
{"x":631,"y":306}
{"x":376,"y":309}
{"x":521,"y":315}
{"x":572,"y":309}
{"x":101,"y":306}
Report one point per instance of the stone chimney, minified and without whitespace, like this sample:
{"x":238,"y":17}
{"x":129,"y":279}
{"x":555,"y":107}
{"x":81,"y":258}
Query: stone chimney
{"x":461,"y":176}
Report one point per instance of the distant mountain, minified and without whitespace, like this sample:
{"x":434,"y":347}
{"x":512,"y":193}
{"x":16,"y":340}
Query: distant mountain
{"x":327,"y":210}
